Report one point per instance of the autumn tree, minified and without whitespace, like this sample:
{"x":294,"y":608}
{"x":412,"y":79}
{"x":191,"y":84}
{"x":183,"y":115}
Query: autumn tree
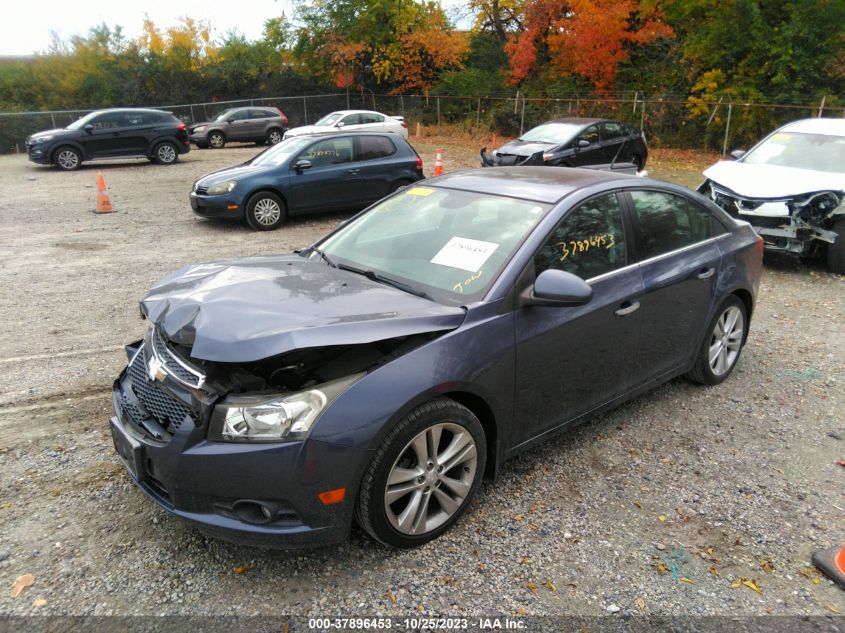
{"x":589,"y":38}
{"x":385,"y":44}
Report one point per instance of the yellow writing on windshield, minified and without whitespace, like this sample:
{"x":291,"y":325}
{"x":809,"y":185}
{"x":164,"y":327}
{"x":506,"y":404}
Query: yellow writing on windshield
{"x":575,"y":247}
{"x":459,"y":286}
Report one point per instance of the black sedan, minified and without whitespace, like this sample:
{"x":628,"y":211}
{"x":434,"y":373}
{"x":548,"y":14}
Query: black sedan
{"x":305,"y":174}
{"x":574,"y":142}
{"x":380,"y":374}
{"x":110,"y":134}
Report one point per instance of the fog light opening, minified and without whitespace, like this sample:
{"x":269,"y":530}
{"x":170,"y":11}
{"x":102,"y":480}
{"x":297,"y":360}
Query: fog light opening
{"x":252,"y":512}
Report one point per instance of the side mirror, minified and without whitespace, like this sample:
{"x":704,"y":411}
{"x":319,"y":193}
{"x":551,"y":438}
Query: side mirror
{"x":557,"y":288}
{"x":582,"y":142}
{"x":339,"y":124}
{"x":737,"y":154}
{"x":302,"y":164}
{"x":89,"y":128}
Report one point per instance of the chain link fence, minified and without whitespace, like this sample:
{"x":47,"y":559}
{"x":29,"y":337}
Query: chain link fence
{"x":680,"y":123}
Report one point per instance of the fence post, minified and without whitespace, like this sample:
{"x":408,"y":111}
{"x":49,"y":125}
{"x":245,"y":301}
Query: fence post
{"x":478,"y":116}
{"x":53,"y":119}
{"x":438,"y":114}
{"x":821,"y":106}
{"x":522,"y":118}
{"x":642,"y":115}
{"x":402,"y":105}
{"x":305,"y":109}
{"x":727,"y":128}
{"x":193,"y":118}
{"x":347,"y":98}
{"x":516,"y":102}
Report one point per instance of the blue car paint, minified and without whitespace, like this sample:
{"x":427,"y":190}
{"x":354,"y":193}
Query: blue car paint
{"x":488,"y":360}
{"x":347,"y":186}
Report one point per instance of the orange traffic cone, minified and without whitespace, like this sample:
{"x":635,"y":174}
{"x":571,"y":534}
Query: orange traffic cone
{"x":495,"y":140}
{"x":438,"y":163}
{"x":103,"y":201}
{"x":832,"y":563}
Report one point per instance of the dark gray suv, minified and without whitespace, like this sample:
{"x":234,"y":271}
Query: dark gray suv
{"x":252,"y":124}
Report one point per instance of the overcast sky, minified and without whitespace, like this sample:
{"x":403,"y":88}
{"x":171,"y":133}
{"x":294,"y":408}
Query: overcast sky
{"x":25,"y":28}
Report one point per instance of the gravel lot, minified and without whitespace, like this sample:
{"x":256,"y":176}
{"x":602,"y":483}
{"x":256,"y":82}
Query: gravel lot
{"x":659,"y":507}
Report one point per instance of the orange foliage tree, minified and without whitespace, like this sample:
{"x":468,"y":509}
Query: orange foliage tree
{"x":584,"y":37}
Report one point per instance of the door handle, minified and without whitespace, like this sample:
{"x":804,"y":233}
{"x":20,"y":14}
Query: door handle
{"x":353,"y":171}
{"x":627,"y":308}
{"x":706,"y":274}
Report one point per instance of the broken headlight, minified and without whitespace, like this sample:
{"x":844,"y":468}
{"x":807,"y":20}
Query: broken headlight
{"x":274,"y":418}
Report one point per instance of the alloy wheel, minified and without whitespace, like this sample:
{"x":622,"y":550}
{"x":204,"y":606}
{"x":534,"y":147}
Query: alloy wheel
{"x":67,"y":159}
{"x":267,"y":211}
{"x":166,"y":153}
{"x":431,"y":478}
{"x":216,"y":141}
{"x":726,"y":341}
{"x":274,"y":136}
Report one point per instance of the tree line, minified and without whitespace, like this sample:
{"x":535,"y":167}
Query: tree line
{"x":777,"y":51}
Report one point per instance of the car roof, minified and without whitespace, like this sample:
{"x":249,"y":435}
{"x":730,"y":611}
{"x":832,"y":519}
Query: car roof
{"x":543,"y":184}
{"x":356,"y":112}
{"x":832,"y":127}
{"x":576,"y":120}
{"x":148,"y":110}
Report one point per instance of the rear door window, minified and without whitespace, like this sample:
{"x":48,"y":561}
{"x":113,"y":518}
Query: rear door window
{"x":351,"y":119}
{"x":371,"y":118}
{"x":588,"y":242}
{"x":372,"y":147}
{"x":611,"y":131}
{"x":669,"y":222}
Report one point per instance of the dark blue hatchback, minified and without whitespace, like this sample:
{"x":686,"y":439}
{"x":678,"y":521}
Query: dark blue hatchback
{"x":307,"y":174}
{"x":380,"y":374}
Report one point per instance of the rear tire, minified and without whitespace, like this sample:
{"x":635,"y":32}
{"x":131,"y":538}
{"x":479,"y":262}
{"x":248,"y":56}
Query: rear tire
{"x":836,"y":251}
{"x":265,"y":211}
{"x":723,"y":344}
{"x":423,"y":476}
{"x":67,"y":159}
{"x":274,"y":136}
{"x":166,"y":153}
{"x":216,"y":140}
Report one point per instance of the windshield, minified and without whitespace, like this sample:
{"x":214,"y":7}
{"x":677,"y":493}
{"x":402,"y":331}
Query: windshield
{"x":279,"y":153}
{"x":224,"y":115}
{"x":330,"y":119}
{"x":557,"y":133}
{"x":448,"y":244}
{"x":80,"y":123}
{"x":818,"y":152}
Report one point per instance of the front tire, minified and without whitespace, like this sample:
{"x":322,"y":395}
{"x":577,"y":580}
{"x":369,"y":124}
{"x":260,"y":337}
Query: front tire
{"x":423,"y":475}
{"x":67,"y":159}
{"x":723,"y":345}
{"x":836,"y":251}
{"x":265,"y":211}
{"x":165,"y":153}
{"x":216,"y":140}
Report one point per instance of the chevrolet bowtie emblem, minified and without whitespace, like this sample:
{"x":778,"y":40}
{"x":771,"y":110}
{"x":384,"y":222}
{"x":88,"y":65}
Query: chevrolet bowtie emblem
{"x":154,"y":370}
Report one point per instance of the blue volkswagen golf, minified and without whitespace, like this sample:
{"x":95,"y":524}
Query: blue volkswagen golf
{"x":306,"y":174}
{"x":377,"y":376}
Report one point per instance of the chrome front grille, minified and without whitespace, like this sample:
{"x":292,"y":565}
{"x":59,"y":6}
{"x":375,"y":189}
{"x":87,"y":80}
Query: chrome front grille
{"x":165,"y":409}
{"x":172,"y":364}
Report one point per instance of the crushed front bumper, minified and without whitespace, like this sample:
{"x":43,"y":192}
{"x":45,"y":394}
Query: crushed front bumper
{"x":778,"y":221}
{"x":264,"y":495}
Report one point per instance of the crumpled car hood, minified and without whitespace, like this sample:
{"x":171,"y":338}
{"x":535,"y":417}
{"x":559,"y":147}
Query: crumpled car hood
{"x":524,"y":148}
{"x":243,"y":310}
{"x":772,"y":181}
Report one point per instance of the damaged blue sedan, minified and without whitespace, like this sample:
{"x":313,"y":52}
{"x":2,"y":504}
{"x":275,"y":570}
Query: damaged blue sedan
{"x":379,"y":375}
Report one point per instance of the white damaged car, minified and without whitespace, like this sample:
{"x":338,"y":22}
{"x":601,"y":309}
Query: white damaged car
{"x":791,"y":188}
